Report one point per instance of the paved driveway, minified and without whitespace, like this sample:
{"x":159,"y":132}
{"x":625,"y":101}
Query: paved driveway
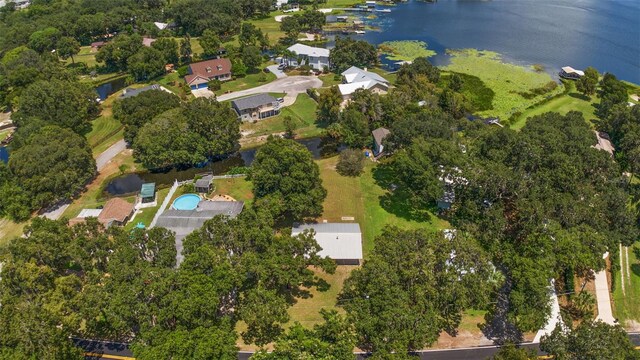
{"x":291,"y":85}
{"x":277,"y":72}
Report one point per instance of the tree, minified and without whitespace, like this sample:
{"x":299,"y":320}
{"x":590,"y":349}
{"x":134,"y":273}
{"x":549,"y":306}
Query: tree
{"x":290,"y":127}
{"x":116,"y":53}
{"x":350,"y":163}
{"x":67,"y":47}
{"x":419,"y":67}
{"x":44,"y":40}
{"x":455,"y":83}
{"x":250,"y":35}
{"x":146,"y":64}
{"x":414,"y":285}
{"x":292,"y":28}
{"x":511,"y":352}
{"x":185,"y":49}
{"x":54,"y":165}
{"x":612,"y":92}
{"x":251,"y":57}
{"x":348,"y":52}
{"x":238,"y":68}
{"x":56,"y":102}
{"x":354,"y":128}
{"x":589,"y":340}
{"x":210,"y":43}
{"x":332,"y":339}
{"x":587,"y":83}
{"x":134,"y":112}
{"x":216,"y":123}
{"x":283,"y":172}
{"x":168,"y":47}
{"x":329,"y":102}
{"x":453,"y":103}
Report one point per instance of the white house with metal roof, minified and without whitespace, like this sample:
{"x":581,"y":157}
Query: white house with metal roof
{"x":317,"y":58}
{"x":341,"y":242}
{"x":355,"y":78}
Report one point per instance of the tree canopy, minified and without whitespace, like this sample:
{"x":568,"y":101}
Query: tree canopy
{"x":348,"y":52}
{"x":284,"y":174}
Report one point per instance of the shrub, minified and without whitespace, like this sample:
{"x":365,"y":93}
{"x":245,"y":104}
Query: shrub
{"x":350,"y":163}
{"x":214,"y":85}
{"x":183,"y":70}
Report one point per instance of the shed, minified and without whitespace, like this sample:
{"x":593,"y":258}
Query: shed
{"x":378,"y":136}
{"x":341,"y":242}
{"x":148,"y":192}
{"x":204,"y":184}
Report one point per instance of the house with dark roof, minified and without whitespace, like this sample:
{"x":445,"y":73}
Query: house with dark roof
{"x":256,"y":107}
{"x":200,"y":73}
{"x":378,"y":135}
{"x":204,"y":184}
{"x":116,"y":212}
{"x":341,"y":242}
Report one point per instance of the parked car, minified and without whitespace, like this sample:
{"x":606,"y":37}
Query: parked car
{"x":280,"y":100}
{"x":282,"y":66}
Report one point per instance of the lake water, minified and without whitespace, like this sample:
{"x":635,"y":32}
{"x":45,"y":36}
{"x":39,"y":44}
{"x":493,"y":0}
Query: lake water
{"x":579,"y":33}
{"x":131,"y":183}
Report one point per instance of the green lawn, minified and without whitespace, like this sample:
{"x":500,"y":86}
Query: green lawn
{"x":104,"y":130}
{"x":329,"y":80}
{"x":238,"y":188}
{"x":5,"y":133}
{"x":627,"y":306}
{"x":84,"y":56}
{"x":508,"y":81}
{"x":10,"y":230}
{"x":146,"y":215}
{"x":247,"y":82}
{"x":365,"y":200}
{"x":562,"y":104}
{"x":303,"y":112}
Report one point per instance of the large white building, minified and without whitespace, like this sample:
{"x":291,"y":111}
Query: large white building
{"x":355,"y":78}
{"x":341,"y":242}
{"x":317,"y":58}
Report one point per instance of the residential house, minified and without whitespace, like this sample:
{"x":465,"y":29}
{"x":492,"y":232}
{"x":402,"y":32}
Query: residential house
{"x":200,"y":73}
{"x":280,"y":3}
{"x":84,"y":214}
{"x":378,"y":136}
{"x":184,"y":222}
{"x":355,"y":78}
{"x":96,"y":45}
{"x":129,"y":92}
{"x":568,"y":72}
{"x":116,"y":212}
{"x":316,"y":58}
{"x":256,"y":107}
{"x":341,"y":242}
{"x":148,"y":193}
{"x":163,"y":26}
{"x":204,"y":184}
{"x":146,"y":41}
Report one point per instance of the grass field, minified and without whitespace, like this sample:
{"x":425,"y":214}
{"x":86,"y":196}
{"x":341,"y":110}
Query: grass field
{"x":238,"y":188}
{"x":247,"y":82}
{"x":508,"y":81}
{"x":146,"y":215}
{"x":84,"y":56}
{"x":5,"y":133}
{"x":329,"y":80}
{"x":562,"y":104}
{"x":303,"y":112}
{"x":365,"y":200}
{"x":627,"y":305}
{"x":10,"y":230}
{"x":105,"y":130}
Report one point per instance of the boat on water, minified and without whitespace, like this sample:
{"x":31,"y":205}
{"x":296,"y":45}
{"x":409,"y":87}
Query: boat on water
{"x":568,"y":72}
{"x":360,"y":32}
{"x":384,"y":10}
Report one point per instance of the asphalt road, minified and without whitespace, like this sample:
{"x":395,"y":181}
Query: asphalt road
{"x":114,"y":350}
{"x":277,"y":72}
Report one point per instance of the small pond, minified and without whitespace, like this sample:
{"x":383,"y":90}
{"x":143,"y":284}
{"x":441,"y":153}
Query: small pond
{"x":110,"y":87}
{"x":131,"y":183}
{"x":4,"y":154}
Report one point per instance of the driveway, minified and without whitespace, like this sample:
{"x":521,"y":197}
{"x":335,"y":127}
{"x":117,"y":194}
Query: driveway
{"x":291,"y":85}
{"x":277,"y":72}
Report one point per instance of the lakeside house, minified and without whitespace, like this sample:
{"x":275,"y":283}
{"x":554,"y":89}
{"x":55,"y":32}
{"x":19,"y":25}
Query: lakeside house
{"x":378,"y":136}
{"x":341,"y":242}
{"x":199,"y":74}
{"x":316,"y":58}
{"x":256,"y":107}
{"x":130,"y":92}
{"x":355,"y":78}
{"x":568,"y":72}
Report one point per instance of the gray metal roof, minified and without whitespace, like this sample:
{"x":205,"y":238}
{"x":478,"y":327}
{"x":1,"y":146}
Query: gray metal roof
{"x":352,"y":228}
{"x":183,"y":222}
{"x":129,"y":92}
{"x":254,"y":101}
{"x":205,"y":181}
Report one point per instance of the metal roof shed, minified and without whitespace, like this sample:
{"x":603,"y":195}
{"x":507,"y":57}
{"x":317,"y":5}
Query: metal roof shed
{"x":341,"y":242}
{"x":148,"y":192}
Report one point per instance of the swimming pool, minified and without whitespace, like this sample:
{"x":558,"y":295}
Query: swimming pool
{"x":186,"y":202}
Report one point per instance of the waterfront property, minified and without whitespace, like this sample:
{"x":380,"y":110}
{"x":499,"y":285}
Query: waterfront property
{"x":341,"y":242}
{"x":148,"y":193}
{"x":256,"y":107}
{"x":355,"y":78}
{"x":568,"y":72}
{"x":316,"y":58}
{"x":199,"y":74}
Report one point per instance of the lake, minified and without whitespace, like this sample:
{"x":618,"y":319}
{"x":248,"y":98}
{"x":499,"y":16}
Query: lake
{"x":131,"y":183}
{"x":579,"y":33}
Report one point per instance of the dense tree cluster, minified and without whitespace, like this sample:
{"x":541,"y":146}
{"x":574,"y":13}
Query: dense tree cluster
{"x":134,"y":112}
{"x":186,"y":135}
{"x":309,"y":21}
{"x":63,"y":281}
{"x":348,"y":52}
{"x":286,"y":180}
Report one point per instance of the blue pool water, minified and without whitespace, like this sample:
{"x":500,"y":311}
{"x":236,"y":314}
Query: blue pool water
{"x":186,"y":202}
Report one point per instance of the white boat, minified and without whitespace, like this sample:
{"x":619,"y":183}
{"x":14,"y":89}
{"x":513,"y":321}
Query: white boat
{"x":384,"y":10}
{"x":360,"y":32}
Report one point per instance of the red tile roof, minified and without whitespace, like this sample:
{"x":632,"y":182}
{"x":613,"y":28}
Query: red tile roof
{"x":208,"y":69}
{"x":115,"y":209}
